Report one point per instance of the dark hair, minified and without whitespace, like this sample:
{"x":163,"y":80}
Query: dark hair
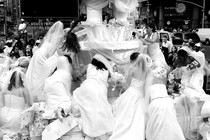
{"x":165,"y":36}
{"x":69,"y":58}
{"x":151,"y":25}
{"x":182,"y":53}
{"x":98,"y":64}
{"x":12,"y":83}
{"x":72,"y":42}
{"x":133,"y":34}
{"x":176,"y":49}
{"x":191,"y":44}
{"x":134,"y":56}
{"x":31,"y":42}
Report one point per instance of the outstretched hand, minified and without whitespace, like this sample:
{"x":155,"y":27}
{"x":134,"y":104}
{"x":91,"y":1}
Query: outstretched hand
{"x":58,"y":114}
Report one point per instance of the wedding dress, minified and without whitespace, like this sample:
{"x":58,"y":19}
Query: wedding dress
{"x":91,"y":97}
{"x":186,"y":104}
{"x":10,"y":113}
{"x":130,"y":114}
{"x":162,"y":123}
{"x":155,"y":53}
{"x":37,"y":71}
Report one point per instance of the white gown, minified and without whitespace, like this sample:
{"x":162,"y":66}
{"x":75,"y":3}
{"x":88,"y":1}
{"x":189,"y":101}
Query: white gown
{"x":130,"y":114}
{"x":91,"y":98}
{"x":186,"y":105}
{"x":162,"y":123}
{"x":57,"y":93}
{"x":155,"y":53}
{"x":10,"y":114}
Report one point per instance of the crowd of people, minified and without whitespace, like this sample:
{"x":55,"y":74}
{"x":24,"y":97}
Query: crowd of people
{"x":37,"y":100}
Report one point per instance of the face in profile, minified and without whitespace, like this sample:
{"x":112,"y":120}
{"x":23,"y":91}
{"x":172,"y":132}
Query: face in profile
{"x":149,"y":30}
{"x":63,"y":50}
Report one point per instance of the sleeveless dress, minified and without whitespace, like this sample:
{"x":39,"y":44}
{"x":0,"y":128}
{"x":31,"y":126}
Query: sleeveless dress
{"x":130,"y":114}
{"x":10,"y":114}
{"x":155,"y":53}
{"x":162,"y":122}
{"x":91,"y":98}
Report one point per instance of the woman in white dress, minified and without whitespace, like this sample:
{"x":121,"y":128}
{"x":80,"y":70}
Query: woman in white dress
{"x":91,"y":98}
{"x":56,"y":43}
{"x":188,"y":104}
{"x":130,"y":106}
{"x":57,"y":98}
{"x":15,"y":98}
{"x":162,"y":123}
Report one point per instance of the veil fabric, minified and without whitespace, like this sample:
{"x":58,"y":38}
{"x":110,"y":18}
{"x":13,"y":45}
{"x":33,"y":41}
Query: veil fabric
{"x":96,"y":4}
{"x":126,"y":5}
{"x":52,"y":40}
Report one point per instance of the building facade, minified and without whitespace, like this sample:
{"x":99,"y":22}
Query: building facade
{"x":177,"y":14}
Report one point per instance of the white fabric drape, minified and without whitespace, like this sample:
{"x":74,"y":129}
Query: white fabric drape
{"x":126,"y":5}
{"x":96,"y":4}
{"x":112,"y":50}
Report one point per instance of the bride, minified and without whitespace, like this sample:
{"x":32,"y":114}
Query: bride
{"x":57,"y":97}
{"x":15,"y":98}
{"x":57,"y":42}
{"x":130,"y":106}
{"x":91,"y":98}
{"x":162,"y":123}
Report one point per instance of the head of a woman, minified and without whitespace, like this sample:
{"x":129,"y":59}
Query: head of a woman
{"x":98,"y":64}
{"x":101,"y":63}
{"x":134,"y":56}
{"x":142,"y":63}
{"x":182,"y":55}
{"x":70,"y":44}
{"x":15,"y":80}
{"x":151,"y":28}
{"x":174,"y":49}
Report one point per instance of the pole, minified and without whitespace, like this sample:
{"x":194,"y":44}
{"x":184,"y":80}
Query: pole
{"x":5,"y":18}
{"x":203,"y":19}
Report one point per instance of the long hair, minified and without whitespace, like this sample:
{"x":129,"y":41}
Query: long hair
{"x":15,"y":80}
{"x":72,"y":42}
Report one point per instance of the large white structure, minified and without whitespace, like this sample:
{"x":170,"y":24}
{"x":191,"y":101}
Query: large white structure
{"x":116,"y":36}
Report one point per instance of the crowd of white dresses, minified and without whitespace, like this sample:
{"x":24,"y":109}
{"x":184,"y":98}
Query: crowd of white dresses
{"x":37,"y":100}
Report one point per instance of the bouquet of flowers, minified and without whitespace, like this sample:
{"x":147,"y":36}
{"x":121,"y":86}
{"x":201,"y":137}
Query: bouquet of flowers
{"x":160,"y":72}
{"x":174,"y":81}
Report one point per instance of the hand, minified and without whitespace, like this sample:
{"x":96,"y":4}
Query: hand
{"x":75,"y":111}
{"x":58,"y":114}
